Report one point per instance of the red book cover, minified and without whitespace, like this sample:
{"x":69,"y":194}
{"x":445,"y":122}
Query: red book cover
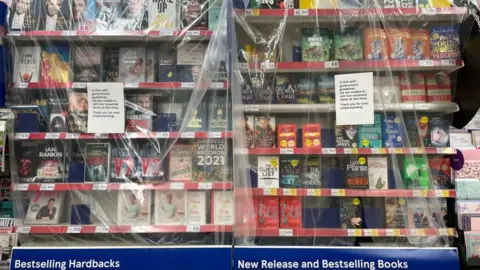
{"x":287,"y":135}
{"x":267,"y":217}
{"x":311,"y":135}
{"x":290,"y":212}
{"x":438,"y":87}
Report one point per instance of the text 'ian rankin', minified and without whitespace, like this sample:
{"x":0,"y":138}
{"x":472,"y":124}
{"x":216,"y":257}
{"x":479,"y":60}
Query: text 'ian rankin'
{"x":323,"y":264}
{"x":64,"y":265}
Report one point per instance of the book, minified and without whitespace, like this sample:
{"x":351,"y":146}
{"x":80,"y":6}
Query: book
{"x":27,"y":65}
{"x":188,"y":73}
{"x":180,"y":163}
{"x":162,"y":14}
{"x":249,"y":131}
{"x":418,"y":213}
{"x":438,"y":134}
{"x":56,"y":15}
{"x":263,"y":90}
{"x":317,"y":45}
{"x":416,"y":131}
{"x":198,"y":120}
{"x":441,"y":171}
{"x":24,"y":15}
{"x":285,"y":90}
{"x":134,"y":207}
{"x":170,"y":207}
{"x":399,"y":43}
{"x":45,"y":207}
{"x":196,"y":208}
{"x":350,"y":213}
{"x":27,"y":160}
{"x":378,"y":172}
{"x":111,"y":65}
{"x":214,"y":10}
{"x":438,"y":212}
{"x":247,"y":91}
{"x":356,"y":173}
{"x":87,"y":64}
{"x":97,"y":162}
{"x":375,"y":44}
{"x":393,"y":131}
{"x":55,"y":67}
{"x":107,"y":12}
{"x":415,"y":172}
{"x":287,"y":136}
{"x":211,"y":161}
{"x":290,"y":212}
{"x":194,"y":14}
{"x":370,"y":136}
{"x":123,"y":167}
{"x":395,"y":213}
{"x":133,"y":16}
{"x":150,"y":163}
{"x":219,"y":113}
{"x":190,"y":53}
{"x":265,"y":132}
{"x":290,"y":172}
{"x":36,"y":116}
{"x":58,"y":122}
{"x":268,"y":172}
{"x":167,"y":68}
{"x":77,"y":112}
{"x":445,"y":42}
{"x":138,"y":113}
{"x":51,"y":162}
{"x":306,"y":92}
{"x":150,"y":65}
{"x":348,"y":45}
{"x":267,"y":217}
{"x":326,"y":90}
{"x":83,"y":15}
{"x":132,"y":65}
{"x":311,"y":172}
{"x":472,"y":244}
{"x":311,"y":135}
{"x":346,"y":136}
{"x":420,"y":44}
{"x":222,"y":211}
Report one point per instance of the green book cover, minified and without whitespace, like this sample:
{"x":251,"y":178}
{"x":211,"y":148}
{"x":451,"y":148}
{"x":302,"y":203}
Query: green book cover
{"x":415,"y":173}
{"x":348,"y":46}
{"x":370,"y":136}
{"x":317,"y":45}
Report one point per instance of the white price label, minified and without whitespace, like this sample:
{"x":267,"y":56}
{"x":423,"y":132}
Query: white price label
{"x":439,"y":193}
{"x":248,"y":12}
{"x":241,"y":151}
{"x":22,"y":136}
{"x":132,"y":135}
{"x":131,"y":85}
{"x":286,"y":151}
{"x":216,"y":85}
{"x":166,"y":33}
{"x":347,"y":150}
{"x":416,"y":193}
{"x":443,"y":231}
{"x":193,"y":228}
{"x":390,"y":232}
{"x":285,"y":232}
{"x":177,"y":185}
{"x":268,"y":65}
{"x":215,"y":135}
{"x":414,"y":232}
{"x":162,"y":135}
{"x":310,"y":192}
{"x":252,"y":108}
{"x":367,"y":232}
{"x":128,"y":186}
{"x":193,"y":33}
{"x":429,"y":11}
{"x":47,"y":187}
{"x":338,"y":192}
{"x":69,"y":33}
{"x":100,"y":136}
{"x":188,"y":135}
{"x":425,"y":63}
{"x":20,"y":187}
{"x":332,"y":64}
{"x":354,"y":232}
{"x":21,"y":85}
{"x":102,"y":229}
{"x":72,"y":136}
{"x":269,"y":191}
{"x":375,"y":151}
{"x":79,"y":85}
{"x":15,"y":33}
{"x":300,"y":12}
{"x":23,"y":229}
{"x":74,"y":229}
{"x":100,"y":186}
{"x":205,"y":185}
{"x":139,"y":229}
{"x":449,"y":62}
{"x":52,"y":136}
{"x":329,"y":151}
{"x":287,"y":192}
{"x":188,"y":85}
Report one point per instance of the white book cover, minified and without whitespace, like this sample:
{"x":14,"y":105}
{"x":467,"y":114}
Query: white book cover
{"x":196,"y":207}
{"x":268,"y":174}
{"x":222,"y":207}
{"x":150,"y":66}
{"x":190,"y":54}
{"x":45,"y":207}
{"x":180,"y":163}
{"x":134,"y":207}
{"x":162,"y":14}
{"x":378,"y":172}
{"x":170,"y":207}
{"x":132,"y":65}
{"x":27,"y":65}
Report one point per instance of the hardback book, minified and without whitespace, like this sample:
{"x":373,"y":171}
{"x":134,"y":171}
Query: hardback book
{"x":356,"y":173}
{"x":348,"y":45}
{"x":438,"y":212}
{"x":265,"y":132}
{"x":290,"y":172}
{"x":77,"y":112}
{"x":419,"y":215}
{"x":370,"y":136}
{"x":441,"y":171}
{"x":55,"y":67}
{"x":438,"y":134}
{"x":123,"y":167}
{"x":167,"y":68}
{"x":373,"y":215}
{"x":268,"y":172}
{"x":35,"y":116}
{"x":45,"y":207}
{"x":415,"y":172}
{"x":211,"y":162}
{"x":133,"y":17}
{"x":134,"y":207}
{"x":317,"y":45}
{"x":196,"y":208}
{"x":214,"y":10}
{"x":194,"y":14}
{"x":150,"y":65}
{"x":24,"y":15}
{"x":180,"y":163}
{"x":286,"y":135}
{"x":285,"y":90}
{"x":58,"y":122}
{"x":165,"y":122}
{"x":170,"y":207}
{"x":312,"y":172}
{"x":445,"y":42}
{"x":132,"y":65}
{"x":188,"y":73}
{"x":326,"y":90}
{"x":27,"y":65}
{"x":172,"y":107}
{"x":395,"y":213}
{"x":246,"y":210}
{"x":263,"y":90}
{"x":138,"y":113}
{"x":378,"y":172}
{"x":190,"y":53}
{"x":84,"y":15}
{"x":111,"y":65}
{"x":27,"y":160}
{"x":249,"y":131}
{"x":76,"y":163}
{"x":350,"y":213}
{"x":393,"y":135}
{"x":198,"y":120}
{"x":107,"y":12}
{"x":290,"y":212}
{"x":416,"y":130}
{"x":97,"y":162}
{"x":162,"y":14}
{"x":222,"y":212}
{"x":346,"y":136}
{"x":87,"y":65}
{"x":51,"y":162}
{"x":219,"y":113}
{"x":150,"y":163}
{"x":56,"y":15}
{"x":375,"y":44}
{"x":247,"y":91}
{"x":267,"y":212}
{"x":320,"y":212}
{"x":311,"y":135}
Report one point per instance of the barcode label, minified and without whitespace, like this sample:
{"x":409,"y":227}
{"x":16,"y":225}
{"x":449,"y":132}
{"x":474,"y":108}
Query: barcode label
{"x":285,"y":232}
{"x":74,"y":229}
{"x":193,"y":228}
{"x":102,"y":229}
{"x":332,"y":64}
{"x":47,"y":187}
{"x":100,"y":186}
{"x":286,"y":151}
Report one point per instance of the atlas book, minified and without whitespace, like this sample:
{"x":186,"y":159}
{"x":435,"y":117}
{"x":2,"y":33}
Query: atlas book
{"x":180,"y":163}
{"x":268,"y":172}
{"x":170,"y":207}
{"x":265,"y":132}
{"x":418,"y":213}
{"x":415,"y":172}
{"x":134,"y":207}
{"x":150,"y":165}
{"x":27,"y":65}
{"x":370,"y":136}
{"x":107,"y":12}
{"x":286,"y":135}
{"x":150,"y":66}
{"x":393,"y":135}
{"x":267,"y":212}
{"x":162,"y":14}
{"x":311,"y":135}
{"x":27,"y":161}
{"x":285,"y":90}
{"x":196,"y":208}
{"x":138,"y":114}
{"x":194,"y":14}
{"x":97,"y":162}
{"x":56,"y":15}
{"x":78,"y":112}
{"x":51,"y":162}
{"x":55,"y":66}
{"x":211,"y":162}
{"x":111,"y":65}
{"x":378,"y":172}
{"x":438,"y":134}
{"x":123,"y":167}
{"x":395,"y":213}
{"x":219,"y":113}
{"x":290,"y":172}
{"x":24,"y":15}
{"x":317,"y":45}
{"x":249,"y":131}
{"x":348,"y":45}
{"x":87,"y":64}
{"x":311,"y":172}
{"x":222,"y":212}
{"x":198,"y":120}
{"x":356,"y":173}
{"x":45,"y":207}
{"x":132,"y":65}
{"x":350,"y":213}
{"x":441,"y":171}
{"x":346,"y":136}
{"x":290,"y":212}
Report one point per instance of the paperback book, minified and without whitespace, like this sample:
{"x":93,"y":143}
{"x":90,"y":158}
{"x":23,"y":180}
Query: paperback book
{"x":123,"y":164}
{"x":58,"y":122}
{"x":150,"y":65}
{"x":290,"y":212}
{"x":191,"y":53}
{"x":249,"y":131}
{"x":138,"y":113}
{"x":133,"y":16}
{"x":393,"y":134}
{"x":24,"y":15}
{"x":211,"y":162}
{"x":51,"y":162}
{"x":395,"y":213}
{"x":350,"y":213}
{"x":27,"y":65}
{"x":56,"y":15}
{"x":286,"y":89}
{"x":287,"y":136}
{"x":180,"y":163}
{"x":306,"y":92}
{"x":107,"y":11}
{"x":311,"y":135}
{"x":196,"y":207}
{"x":78,"y":112}
{"x":441,"y":171}
{"x":268,"y":212}
{"x":198,"y":120}
{"x":222,"y":207}
{"x":290,"y":172}
{"x":55,"y":67}
{"x":162,"y":14}
{"x":370,"y":136}
{"x":326,"y":90}
{"x":415,"y":172}
{"x":45,"y":207}
{"x":317,"y":45}
{"x":348,"y":46}
{"x":268,"y":172}
{"x":263,"y":90}
{"x":438,"y":212}
{"x":170,"y":207}
{"x":219,"y":113}
{"x":312,"y":173}
{"x":132,"y":65}
{"x":356,"y":173}
{"x":419,"y":215}
{"x":194,"y":14}
{"x":346,"y":136}
{"x":134,"y":207}
{"x":265,"y":132}
{"x":83,"y":15}
{"x":416,"y":130}
{"x":87,"y":64}
{"x":214,"y":10}
{"x":378,"y":172}
{"x":438,"y":134}
{"x":97,"y":162}
{"x":27,"y":160}
{"x":150,"y":163}
{"x":111,"y":65}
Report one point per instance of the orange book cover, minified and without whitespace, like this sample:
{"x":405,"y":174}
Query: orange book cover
{"x":311,"y":135}
{"x":267,"y":215}
{"x":375,"y":44}
{"x":399,"y":43}
{"x":420,"y":44}
{"x":287,"y":135}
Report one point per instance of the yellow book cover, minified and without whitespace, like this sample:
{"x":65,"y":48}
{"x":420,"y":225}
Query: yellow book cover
{"x":440,"y":3}
{"x":317,"y":4}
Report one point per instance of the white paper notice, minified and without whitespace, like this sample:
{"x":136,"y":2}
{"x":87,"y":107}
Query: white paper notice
{"x":106,"y":108}
{"x":354,"y":98}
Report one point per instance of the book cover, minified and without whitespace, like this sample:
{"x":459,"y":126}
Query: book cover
{"x":350,"y":213}
{"x":132,"y":65}
{"x":370,"y":136}
{"x":438,"y":212}
{"x":290,"y":212}
{"x":162,"y":14}
{"x":313,"y":4}
{"x":133,"y":16}
{"x":58,"y":122}
{"x":190,"y":53}
{"x":472,"y":245}
{"x":249,"y":131}
{"x":87,"y":65}
{"x":123,"y":164}
{"x":45,"y":207}
{"x":194,"y":14}
{"x":267,"y":216}
{"x":196,"y":208}
{"x":56,"y":15}
{"x":375,"y":44}
{"x":211,"y":161}
{"x":138,"y":113}
{"x":111,"y":65}
{"x":219,"y":113}
{"x":170,"y":207}
{"x":395,"y":213}
{"x":399,"y":43}
{"x":175,"y":107}
{"x":97,"y":162}
{"x":312,"y":172}
{"x":416,"y":130}
{"x":107,"y":12}
{"x":134,"y":207}
{"x":27,"y":65}
{"x":356,"y":173}
{"x":188,"y":73}
{"x":415,"y":172}
{"x":167,"y":68}
{"x":346,"y":136}
{"x":311,"y":135}
{"x":247,"y":91}
{"x":51,"y":162}
{"x":420,"y":44}
{"x":438,"y":134}
{"x":285,"y":90}
{"x":198,"y":120}
{"x":290,"y":172}
{"x":77,"y":112}
{"x":378,"y":172}
{"x":263,"y":90}
{"x":306,"y":92}
{"x":55,"y":67}
{"x":246,"y":212}
{"x":180,"y":163}
{"x":27,"y":160}
{"x":441,"y":171}
{"x":287,"y":136}
{"x":393,"y":131}
{"x":445,"y":42}
{"x":317,"y":45}
{"x":265,"y":132}
{"x":24,"y":15}
{"x":326,"y":90}
{"x":214,"y":9}
{"x":348,"y":45}
{"x":268,"y":172}
{"x":34,"y":113}
{"x":83,"y":15}
{"x":418,"y":213}
{"x":150,"y":163}
{"x":222,"y":211}
{"x":439,"y":88}
{"x":150,"y":65}
{"x":320,"y":212}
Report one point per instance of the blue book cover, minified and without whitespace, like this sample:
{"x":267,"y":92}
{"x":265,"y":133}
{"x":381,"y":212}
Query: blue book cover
{"x":290,"y":171}
{"x":80,"y":214}
{"x":370,"y":136}
{"x":373,"y":213}
{"x":165,"y":122}
{"x":393,"y":134}
{"x":84,"y":13}
{"x":320,"y":212}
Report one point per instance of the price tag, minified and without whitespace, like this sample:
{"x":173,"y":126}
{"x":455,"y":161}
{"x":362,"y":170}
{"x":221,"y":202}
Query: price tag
{"x":52,"y":136}
{"x":393,"y":232}
{"x":140,"y":229}
{"x":289,"y":192}
{"x":100,"y":186}
{"x":193,"y":33}
{"x":329,"y":151}
{"x":215,"y":135}
{"x":338,"y":192}
{"x":451,"y":232}
{"x":332,"y":64}
{"x":268,"y":65}
{"x":216,"y":85}
{"x":270,"y":191}
{"x":425,"y":63}
{"x":285,"y":232}
{"x":189,"y":85}
{"x":255,"y":12}
{"x":347,"y":150}
{"x":166,"y":33}
{"x":47,"y":187}
{"x":22,"y":136}
{"x":252,"y":108}
{"x":300,"y":12}
{"x":128,"y":186}
{"x":193,"y":228}
{"x":286,"y":151}
{"x":131,"y":135}
{"x":311,"y":192}
{"x":100,"y":136}
{"x":241,"y":151}
{"x":367,"y":232}
{"x":448,"y":62}
{"x":15,"y":34}
{"x":74,"y":229}
{"x":417,"y":150}
{"x":23,"y":229}
{"x":72,"y":136}
{"x":354,"y":232}
{"x":375,"y":151}
{"x":189,"y":135}
{"x":102,"y":229}
{"x":69,"y":33}
{"x":162,"y":135}
{"x":20,"y":187}
{"x":248,"y":12}
{"x":177,"y":186}
{"x":243,"y":66}
{"x":429,"y":11}
{"x":22,"y":85}
{"x":79,"y":85}
{"x":205,"y":185}
{"x":131,"y":85}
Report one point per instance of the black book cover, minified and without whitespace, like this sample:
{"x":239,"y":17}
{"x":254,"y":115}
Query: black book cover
{"x":290,"y":172}
{"x":312,"y":172}
{"x":111,"y":66}
{"x":211,"y":162}
{"x":395,"y":213}
{"x":167,"y":67}
{"x":412,"y":125}
{"x":76,"y":166}
{"x":150,"y":165}
{"x":123,"y":167}
{"x":24,"y":15}
{"x":356,"y":173}
{"x":219,"y":113}
{"x":87,"y":64}
{"x":97,"y":162}
{"x":51,"y":162}
{"x":27,"y":160}
{"x":56,"y":15}
{"x":221,"y":74}
{"x":286,"y":89}
{"x":263,"y":90}
{"x":438,"y":132}
{"x":77,"y":112}
{"x":346,"y":136}
{"x":194,"y":14}
{"x":139,"y":113}
{"x":247,"y":91}
{"x":351,"y":213}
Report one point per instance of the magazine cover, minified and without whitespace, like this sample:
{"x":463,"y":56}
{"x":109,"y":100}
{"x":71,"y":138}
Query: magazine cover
{"x":24,"y":15}
{"x":87,"y":64}
{"x":111,"y":72}
{"x":194,"y":14}
{"x":77,"y":112}
{"x":138,"y":114}
{"x":55,"y":65}
{"x":395,"y":213}
{"x":170,"y":207}
{"x":222,"y":207}
{"x":56,"y":15}
{"x":27,"y":65}
{"x":107,"y":12}
{"x":132,"y":65}
{"x":134,"y":207}
{"x":211,"y":162}
{"x":45,"y":207}
{"x":97,"y":162}
{"x":162,"y":14}
{"x":196,"y":212}
{"x":84,"y":13}
{"x":51,"y":162}
{"x":180,"y":163}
